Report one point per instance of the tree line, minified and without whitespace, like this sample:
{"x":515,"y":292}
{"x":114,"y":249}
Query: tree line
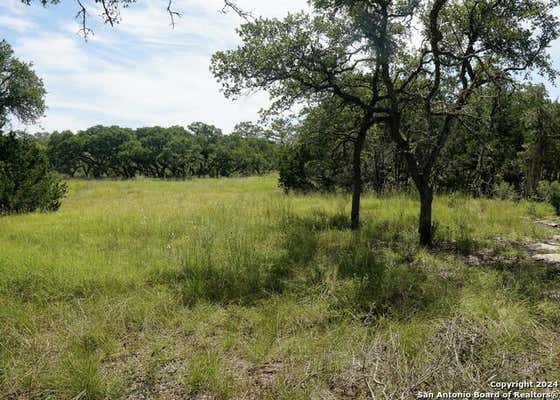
{"x":199,"y":150}
{"x":510,"y":149}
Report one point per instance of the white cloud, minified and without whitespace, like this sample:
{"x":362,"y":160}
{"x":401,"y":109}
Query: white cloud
{"x":141,"y":72}
{"x":13,"y":7}
{"x":16,"y":23}
{"x":60,"y":120}
{"x":53,"y":54}
{"x":14,"y":18}
{"x":164,"y":89}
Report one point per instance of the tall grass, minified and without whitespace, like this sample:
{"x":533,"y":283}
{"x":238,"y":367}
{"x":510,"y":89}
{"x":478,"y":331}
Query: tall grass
{"x":231,"y":289}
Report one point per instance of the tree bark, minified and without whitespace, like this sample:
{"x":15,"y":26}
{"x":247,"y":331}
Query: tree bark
{"x":357,"y":179}
{"x":425,"y":221}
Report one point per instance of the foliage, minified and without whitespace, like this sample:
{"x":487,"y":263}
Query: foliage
{"x":64,"y":152}
{"x":357,"y":55}
{"x":505,"y":191}
{"x":175,"y":152}
{"x":320,"y":155}
{"x":498,"y":146}
{"x":291,"y":167}
{"x":541,"y":122}
{"x":21,"y":91}
{"x":555,"y":196}
{"x":544,"y":191}
{"x":27,"y":182}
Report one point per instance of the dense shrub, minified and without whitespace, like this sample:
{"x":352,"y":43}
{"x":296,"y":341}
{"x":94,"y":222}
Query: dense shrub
{"x":315,"y":163}
{"x":505,"y":191}
{"x":549,"y":192}
{"x":27,"y":181}
{"x":555,"y":196}
{"x":515,"y":143}
{"x":291,"y":168}
{"x":544,"y":191}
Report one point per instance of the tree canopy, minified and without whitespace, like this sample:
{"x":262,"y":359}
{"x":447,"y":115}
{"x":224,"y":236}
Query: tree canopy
{"x":21,"y":90}
{"x":361,"y":53}
{"x":199,"y":150}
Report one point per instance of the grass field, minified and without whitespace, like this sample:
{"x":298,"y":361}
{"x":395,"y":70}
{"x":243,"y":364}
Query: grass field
{"x":218,"y":289}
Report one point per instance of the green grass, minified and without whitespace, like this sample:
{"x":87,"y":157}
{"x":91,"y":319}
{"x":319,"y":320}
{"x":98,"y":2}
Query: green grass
{"x":218,"y":289}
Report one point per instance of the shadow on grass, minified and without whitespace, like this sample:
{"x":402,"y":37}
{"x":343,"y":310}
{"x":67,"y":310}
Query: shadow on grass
{"x":241,"y":274}
{"x":355,"y":272}
{"x":376,"y":270}
{"x":380,"y":281}
{"x":526,"y":279}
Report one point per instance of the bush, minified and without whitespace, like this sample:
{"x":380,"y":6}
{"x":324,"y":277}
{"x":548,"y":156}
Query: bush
{"x":306,"y":166}
{"x":505,"y":191}
{"x":291,"y":168}
{"x":549,"y":192}
{"x":27,"y":181}
{"x":543,"y":191}
{"x":555,"y":196}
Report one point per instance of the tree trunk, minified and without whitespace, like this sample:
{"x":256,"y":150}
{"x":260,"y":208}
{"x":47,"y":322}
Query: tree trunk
{"x":357,"y":179}
{"x":425,"y":222}
{"x":535,"y":164}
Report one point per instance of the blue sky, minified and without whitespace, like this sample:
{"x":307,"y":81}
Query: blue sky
{"x":141,"y":72}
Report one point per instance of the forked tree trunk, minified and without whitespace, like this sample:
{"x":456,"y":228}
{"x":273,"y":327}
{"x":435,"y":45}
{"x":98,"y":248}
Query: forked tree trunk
{"x":357,"y":179}
{"x":425,"y":221}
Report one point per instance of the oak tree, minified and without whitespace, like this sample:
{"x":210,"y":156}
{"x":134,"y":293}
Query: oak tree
{"x":410,"y":66}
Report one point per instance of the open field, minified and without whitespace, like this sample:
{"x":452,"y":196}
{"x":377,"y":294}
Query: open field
{"x":217,"y":289}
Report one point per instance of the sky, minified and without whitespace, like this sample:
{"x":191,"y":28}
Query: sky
{"x":141,"y":72}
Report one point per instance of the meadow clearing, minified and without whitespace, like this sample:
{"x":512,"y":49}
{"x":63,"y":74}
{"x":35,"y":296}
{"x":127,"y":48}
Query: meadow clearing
{"x":227,"y":288}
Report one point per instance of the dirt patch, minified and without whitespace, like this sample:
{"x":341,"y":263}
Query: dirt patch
{"x":265,"y":374}
{"x":546,"y":252}
{"x":549,"y":222}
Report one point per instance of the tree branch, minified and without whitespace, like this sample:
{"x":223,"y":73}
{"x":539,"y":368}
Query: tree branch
{"x":230,"y":4}
{"x":172,"y":13}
